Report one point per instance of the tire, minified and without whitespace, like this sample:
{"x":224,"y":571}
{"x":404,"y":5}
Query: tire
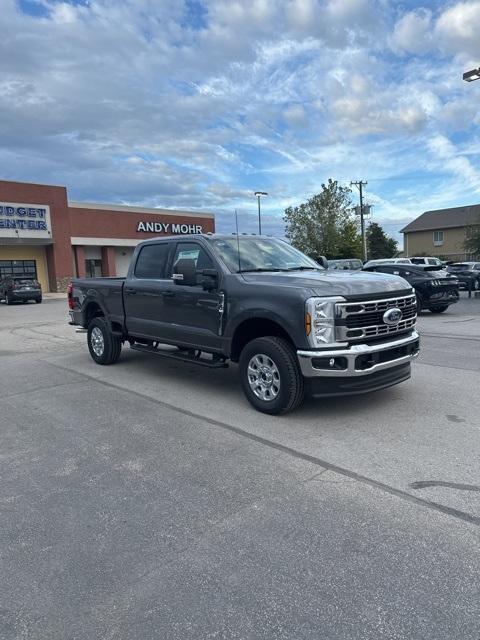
{"x":8,"y":300}
{"x":38,"y":300}
{"x":476,"y":285}
{"x":104,"y":347}
{"x":419,"y":303}
{"x":439,"y":309}
{"x":279,"y":359}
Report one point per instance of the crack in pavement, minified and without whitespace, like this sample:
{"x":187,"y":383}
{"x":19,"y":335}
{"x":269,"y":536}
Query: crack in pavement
{"x":423,"y":484}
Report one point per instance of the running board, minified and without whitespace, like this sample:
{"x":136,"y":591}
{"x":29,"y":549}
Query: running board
{"x":178,"y":355}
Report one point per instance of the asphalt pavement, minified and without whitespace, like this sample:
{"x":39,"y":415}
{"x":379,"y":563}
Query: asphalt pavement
{"x":149,"y":500}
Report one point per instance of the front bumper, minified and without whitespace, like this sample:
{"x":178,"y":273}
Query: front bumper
{"x":442,"y":297}
{"x":359,"y":359}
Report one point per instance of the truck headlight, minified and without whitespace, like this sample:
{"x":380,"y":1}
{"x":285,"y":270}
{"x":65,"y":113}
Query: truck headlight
{"x":320,"y":321}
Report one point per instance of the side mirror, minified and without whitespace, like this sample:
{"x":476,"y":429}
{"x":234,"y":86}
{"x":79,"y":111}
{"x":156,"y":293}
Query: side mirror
{"x":185,"y":272}
{"x":210,"y":278}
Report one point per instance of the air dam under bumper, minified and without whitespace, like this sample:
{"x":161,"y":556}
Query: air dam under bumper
{"x":359,"y":359}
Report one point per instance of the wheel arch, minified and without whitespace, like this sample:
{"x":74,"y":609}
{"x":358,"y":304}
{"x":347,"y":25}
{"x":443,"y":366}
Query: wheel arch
{"x":92,"y":310}
{"x":251,"y":328}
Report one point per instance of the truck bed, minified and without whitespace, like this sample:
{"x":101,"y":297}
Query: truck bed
{"x":90,"y":283}
{"x":106,"y":292}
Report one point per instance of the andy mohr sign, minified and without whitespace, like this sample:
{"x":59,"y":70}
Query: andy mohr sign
{"x":170,"y":228}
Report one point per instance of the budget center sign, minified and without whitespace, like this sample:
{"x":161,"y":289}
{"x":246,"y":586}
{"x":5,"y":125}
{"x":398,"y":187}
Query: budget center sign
{"x":24,"y":220}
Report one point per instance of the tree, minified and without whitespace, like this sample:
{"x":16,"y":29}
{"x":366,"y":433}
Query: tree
{"x":323,"y":226}
{"x":379,"y":245}
{"x":350,"y":241}
{"x":472,"y":239}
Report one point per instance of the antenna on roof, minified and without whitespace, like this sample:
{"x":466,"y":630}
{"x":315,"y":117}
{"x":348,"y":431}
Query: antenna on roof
{"x":238,"y":242}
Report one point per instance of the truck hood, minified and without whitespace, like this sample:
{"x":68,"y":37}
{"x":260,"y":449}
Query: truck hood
{"x":333,"y":283}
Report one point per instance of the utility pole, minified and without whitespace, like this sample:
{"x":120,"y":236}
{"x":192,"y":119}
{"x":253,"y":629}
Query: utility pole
{"x":360,"y":184}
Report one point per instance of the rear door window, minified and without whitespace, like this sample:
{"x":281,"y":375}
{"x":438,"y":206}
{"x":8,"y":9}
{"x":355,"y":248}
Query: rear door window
{"x":152,"y":261}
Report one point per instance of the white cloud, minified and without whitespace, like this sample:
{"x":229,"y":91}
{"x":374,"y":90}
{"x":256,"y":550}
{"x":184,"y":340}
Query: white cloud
{"x":63,"y":13}
{"x":413,"y":32}
{"x":458,"y":29}
{"x":446,"y":153}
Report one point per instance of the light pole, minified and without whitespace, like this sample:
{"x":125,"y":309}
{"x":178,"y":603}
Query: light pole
{"x":259,"y":194}
{"x":470,"y":76}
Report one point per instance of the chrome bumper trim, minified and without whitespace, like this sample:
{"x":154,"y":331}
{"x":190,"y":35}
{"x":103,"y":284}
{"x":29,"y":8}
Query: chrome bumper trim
{"x":309,"y":371}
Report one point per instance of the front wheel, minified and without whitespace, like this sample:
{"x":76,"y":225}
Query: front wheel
{"x":439,"y":309}
{"x":476,"y":285}
{"x":38,"y":300}
{"x":271,"y":376}
{"x":104,"y":347}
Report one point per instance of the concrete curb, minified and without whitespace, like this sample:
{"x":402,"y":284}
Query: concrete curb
{"x":54,"y":296}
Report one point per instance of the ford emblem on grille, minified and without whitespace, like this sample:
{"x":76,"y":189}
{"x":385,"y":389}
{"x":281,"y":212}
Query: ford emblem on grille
{"x":392,"y":316}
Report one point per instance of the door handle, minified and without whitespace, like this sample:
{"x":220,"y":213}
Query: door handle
{"x":168,"y":294}
{"x":130,"y":291}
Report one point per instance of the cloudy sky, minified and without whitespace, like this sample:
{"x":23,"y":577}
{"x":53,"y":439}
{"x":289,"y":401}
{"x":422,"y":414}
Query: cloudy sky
{"x":195,"y":104}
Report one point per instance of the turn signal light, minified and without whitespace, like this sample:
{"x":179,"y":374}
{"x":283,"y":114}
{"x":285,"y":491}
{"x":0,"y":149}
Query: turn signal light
{"x":308,"y":324}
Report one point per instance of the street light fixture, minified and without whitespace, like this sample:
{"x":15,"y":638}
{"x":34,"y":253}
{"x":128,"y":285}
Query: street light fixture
{"x":470,"y":76}
{"x":258,"y":195}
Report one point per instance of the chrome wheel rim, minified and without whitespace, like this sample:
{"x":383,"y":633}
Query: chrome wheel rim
{"x":263,"y":377}
{"x":97,"y":341}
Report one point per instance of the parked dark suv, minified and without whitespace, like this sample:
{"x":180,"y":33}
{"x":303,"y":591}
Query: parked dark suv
{"x":468,"y":274}
{"x":20,"y":289}
{"x":434,"y":291}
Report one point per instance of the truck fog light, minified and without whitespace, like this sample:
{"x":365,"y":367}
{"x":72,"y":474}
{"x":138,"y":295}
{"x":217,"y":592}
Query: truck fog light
{"x":336,"y":364}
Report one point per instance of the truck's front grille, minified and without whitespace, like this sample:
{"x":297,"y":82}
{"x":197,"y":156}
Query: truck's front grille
{"x":359,"y":320}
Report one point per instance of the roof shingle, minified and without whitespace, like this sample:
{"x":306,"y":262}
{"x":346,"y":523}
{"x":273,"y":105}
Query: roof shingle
{"x":444,"y":218}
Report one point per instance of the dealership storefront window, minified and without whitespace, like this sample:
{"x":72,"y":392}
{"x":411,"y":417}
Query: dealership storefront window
{"x":93,"y":268}
{"x":18,"y":268}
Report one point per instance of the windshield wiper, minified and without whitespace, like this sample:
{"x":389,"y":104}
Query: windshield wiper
{"x":260,"y":269}
{"x":303,"y":268}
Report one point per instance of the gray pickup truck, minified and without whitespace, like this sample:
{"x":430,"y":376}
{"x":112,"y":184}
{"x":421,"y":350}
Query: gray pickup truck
{"x":292,"y":326}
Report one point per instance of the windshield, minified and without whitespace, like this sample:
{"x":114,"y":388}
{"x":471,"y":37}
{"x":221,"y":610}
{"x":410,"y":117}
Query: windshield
{"x":261,"y":254}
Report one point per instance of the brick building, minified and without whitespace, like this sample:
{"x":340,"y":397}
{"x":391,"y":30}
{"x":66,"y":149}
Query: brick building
{"x":42,"y":233}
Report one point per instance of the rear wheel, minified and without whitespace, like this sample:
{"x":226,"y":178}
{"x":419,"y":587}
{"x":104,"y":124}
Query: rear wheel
{"x":439,"y":309}
{"x":476,"y":285}
{"x":104,"y":347}
{"x":271,"y":376}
